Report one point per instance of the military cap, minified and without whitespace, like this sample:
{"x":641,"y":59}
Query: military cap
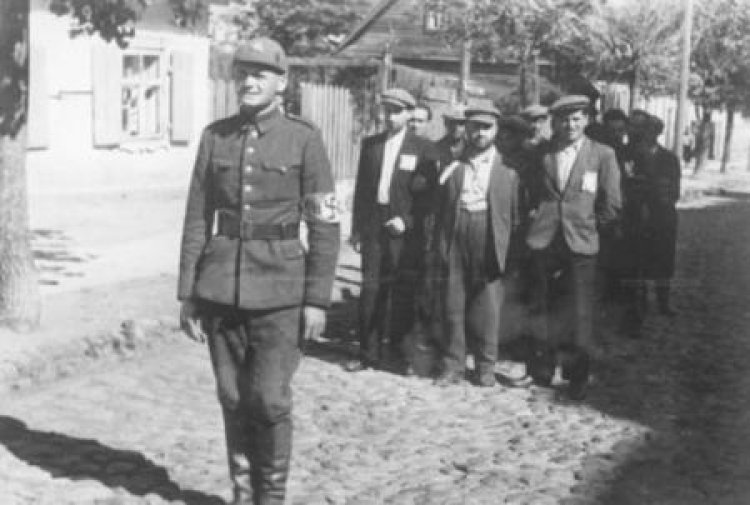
{"x":483,"y":114}
{"x":398,"y":96}
{"x":455,"y":114}
{"x":515,"y":124}
{"x":262,"y":51}
{"x":570,"y":103}
{"x":535,"y":111}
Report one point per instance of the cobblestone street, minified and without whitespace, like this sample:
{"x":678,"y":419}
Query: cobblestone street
{"x":666,"y":423}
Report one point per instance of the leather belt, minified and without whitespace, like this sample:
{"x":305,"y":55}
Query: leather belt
{"x":230,"y":225}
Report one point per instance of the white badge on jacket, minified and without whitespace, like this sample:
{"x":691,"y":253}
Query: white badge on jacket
{"x":407,"y":162}
{"x":590,"y":180}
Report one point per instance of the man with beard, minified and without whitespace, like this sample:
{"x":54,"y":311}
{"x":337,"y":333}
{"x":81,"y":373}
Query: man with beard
{"x":476,"y":213}
{"x":578,"y":197}
{"x":246,"y":284}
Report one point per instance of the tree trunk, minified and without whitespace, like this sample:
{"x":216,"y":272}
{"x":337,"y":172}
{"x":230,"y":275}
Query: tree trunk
{"x":20,"y":301}
{"x":635,"y":88}
{"x":725,"y":156}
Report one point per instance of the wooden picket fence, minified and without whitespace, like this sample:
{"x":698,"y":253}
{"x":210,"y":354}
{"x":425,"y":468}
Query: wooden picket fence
{"x":331,"y":109}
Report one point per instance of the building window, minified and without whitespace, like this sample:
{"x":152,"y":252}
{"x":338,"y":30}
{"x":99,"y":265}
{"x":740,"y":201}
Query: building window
{"x":143,"y":108}
{"x":435,"y":17}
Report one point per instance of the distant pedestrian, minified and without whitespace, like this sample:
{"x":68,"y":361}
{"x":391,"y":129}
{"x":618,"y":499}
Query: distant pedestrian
{"x":578,"y":197}
{"x":476,"y":214}
{"x":657,"y":174}
{"x":246,"y":283}
{"x":392,"y":197}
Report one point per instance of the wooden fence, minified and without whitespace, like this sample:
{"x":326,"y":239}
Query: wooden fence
{"x":331,"y":108}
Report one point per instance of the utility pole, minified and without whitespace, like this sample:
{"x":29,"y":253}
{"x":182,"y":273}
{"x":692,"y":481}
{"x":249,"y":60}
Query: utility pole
{"x":687,"y":28}
{"x":463,"y":82}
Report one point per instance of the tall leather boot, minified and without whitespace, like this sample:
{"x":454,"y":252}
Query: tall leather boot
{"x":274,"y":452}
{"x":663,"y":298}
{"x":239,"y":451}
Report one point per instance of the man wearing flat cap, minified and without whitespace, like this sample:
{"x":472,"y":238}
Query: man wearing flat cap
{"x":537,"y":116}
{"x":246,"y":283}
{"x":395,"y":180}
{"x":476,"y":214}
{"x":452,"y":144}
{"x":577,"y":198}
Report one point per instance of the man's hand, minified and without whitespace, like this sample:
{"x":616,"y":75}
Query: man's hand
{"x":190,"y":322}
{"x":314,"y":321}
{"x":395,"y":226}
{"x":356,"y":242}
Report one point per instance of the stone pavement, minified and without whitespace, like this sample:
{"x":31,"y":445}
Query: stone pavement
{"x":666,"y":423}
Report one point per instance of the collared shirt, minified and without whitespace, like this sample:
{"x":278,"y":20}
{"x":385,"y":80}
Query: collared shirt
{"x":477,"y":180}
{"x":565,"y":159}
{"x":390,"y":153}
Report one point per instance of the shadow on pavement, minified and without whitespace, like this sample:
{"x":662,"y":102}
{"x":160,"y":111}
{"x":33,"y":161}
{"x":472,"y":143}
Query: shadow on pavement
{"x":53,"y":256}
{"x":83,"y":459}
{"x":686,"y":379}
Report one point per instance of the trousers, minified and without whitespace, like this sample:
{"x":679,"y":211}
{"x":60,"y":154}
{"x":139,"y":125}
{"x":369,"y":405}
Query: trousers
{"x":254,"y":354}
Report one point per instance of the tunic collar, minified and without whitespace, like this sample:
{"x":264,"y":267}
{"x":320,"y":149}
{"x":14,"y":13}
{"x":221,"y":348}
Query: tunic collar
{"x":262,"y":122}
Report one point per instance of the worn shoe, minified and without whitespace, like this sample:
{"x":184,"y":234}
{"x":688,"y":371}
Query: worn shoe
{"x":358,"y":365}
{"x":449,"y":379}
{"x":486,"y":379}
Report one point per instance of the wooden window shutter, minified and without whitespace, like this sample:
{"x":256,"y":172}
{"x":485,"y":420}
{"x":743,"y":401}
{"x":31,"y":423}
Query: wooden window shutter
{"x":38,"y":130}
{"x":181,"y":94}
{"x":107,"y":84}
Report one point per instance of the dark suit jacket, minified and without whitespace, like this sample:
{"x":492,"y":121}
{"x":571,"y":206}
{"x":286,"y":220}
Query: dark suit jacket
{"x":409,"y":199}
{"x":589,"y":203}
{"x":503,"y":199}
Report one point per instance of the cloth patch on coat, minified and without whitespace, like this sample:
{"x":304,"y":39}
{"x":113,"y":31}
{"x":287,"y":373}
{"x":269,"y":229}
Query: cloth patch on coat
{"x":324,"y":207}
{"x":407,"y":162}
{"x":589,"y":182}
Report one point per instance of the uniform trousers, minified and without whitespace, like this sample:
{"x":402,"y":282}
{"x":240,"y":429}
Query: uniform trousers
{"x":563,"y":302}
{"x":473,"y":295}
{"x":254,"y":354}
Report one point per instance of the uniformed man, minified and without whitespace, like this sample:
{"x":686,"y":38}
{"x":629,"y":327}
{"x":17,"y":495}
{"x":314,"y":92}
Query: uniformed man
{"x":246,"y":283}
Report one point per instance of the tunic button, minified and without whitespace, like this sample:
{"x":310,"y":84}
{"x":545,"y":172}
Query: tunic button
{"x":246,"y":208}
{"x":248,"y":188}
{"x":250,"y":150}
{"x":248,"y":169}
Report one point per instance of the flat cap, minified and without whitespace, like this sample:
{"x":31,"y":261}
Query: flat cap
{"x":535,"y":111}
{"x":656,"y":124}
{"x":570,"y":103}
{"x":398,"y":96}
{"x":483,"y":114}
{"x":455,"y":114}
{"x":262,"y":51}
{"x":515,"y":124}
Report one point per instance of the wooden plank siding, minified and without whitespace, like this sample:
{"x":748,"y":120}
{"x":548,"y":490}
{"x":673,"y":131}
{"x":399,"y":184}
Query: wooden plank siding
{"x":331,"y":109}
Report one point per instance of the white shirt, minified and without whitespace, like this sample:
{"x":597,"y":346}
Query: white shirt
{"x":390,"y":153}
{"x":565,"y":159}
{"x":477,"y":180}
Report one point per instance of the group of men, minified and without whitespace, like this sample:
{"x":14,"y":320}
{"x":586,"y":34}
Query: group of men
{"x":498,"y":213}
{"x":443,"y":230}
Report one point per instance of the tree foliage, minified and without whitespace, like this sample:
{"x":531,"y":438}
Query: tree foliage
{"x":636,"y":42}
{"x":721,"y":55}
